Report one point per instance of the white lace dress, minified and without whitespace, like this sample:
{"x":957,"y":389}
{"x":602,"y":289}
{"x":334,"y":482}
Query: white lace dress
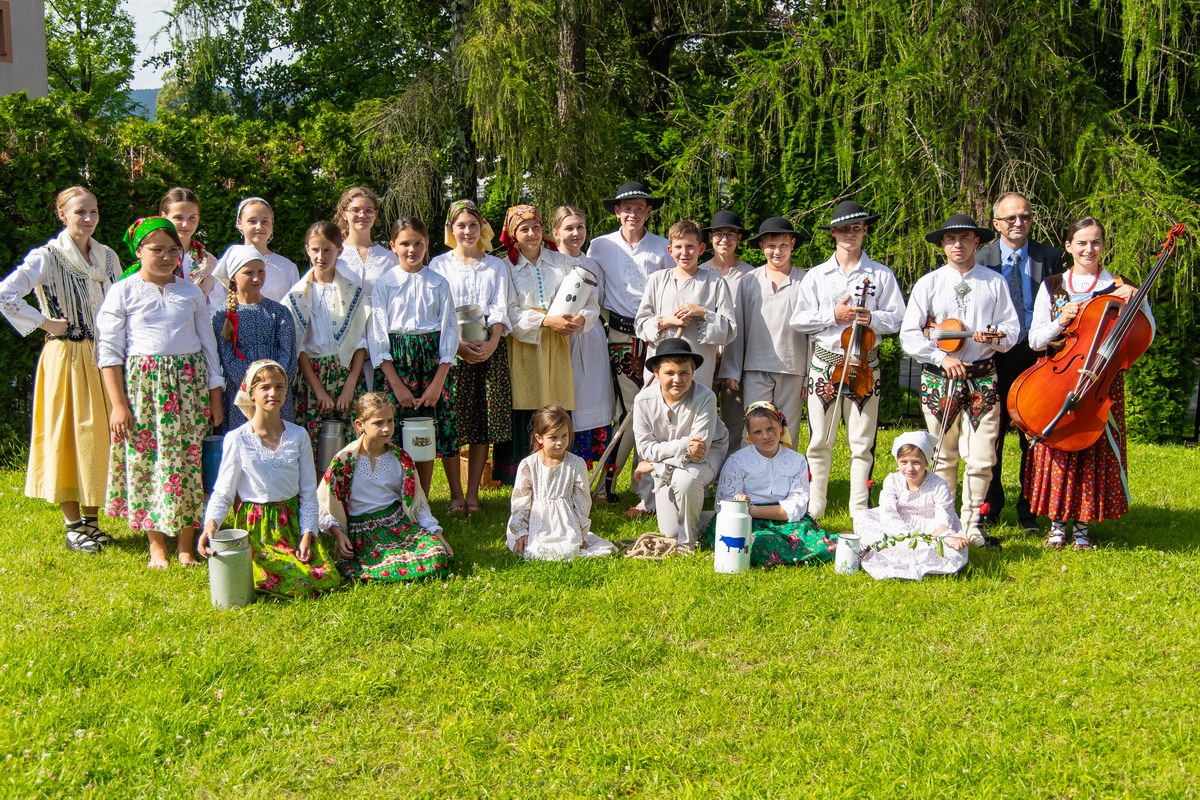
{"x":551,"y":505}
{"x":902,"y":511}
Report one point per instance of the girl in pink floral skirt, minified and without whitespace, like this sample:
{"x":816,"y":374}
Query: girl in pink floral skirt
{"x":158,"y":360}
{"x":268,"y":464}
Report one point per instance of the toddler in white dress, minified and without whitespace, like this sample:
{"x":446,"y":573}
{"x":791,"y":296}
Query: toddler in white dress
{"x":551,"y":501}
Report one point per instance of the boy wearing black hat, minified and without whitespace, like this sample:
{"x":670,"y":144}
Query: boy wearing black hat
{"x":627,"y":257}
{"x":965,"y":382}
{"x":681,"y":439}
{"x":724,"y":234}
{"x":849,"y":286}
{"x":767,"y":358}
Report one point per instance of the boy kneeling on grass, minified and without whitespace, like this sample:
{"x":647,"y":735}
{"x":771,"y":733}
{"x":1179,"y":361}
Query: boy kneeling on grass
{"x":681,"y":437}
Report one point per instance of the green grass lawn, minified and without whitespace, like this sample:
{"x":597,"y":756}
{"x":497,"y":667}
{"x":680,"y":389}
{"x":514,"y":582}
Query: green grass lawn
{"x":1033,"y":674}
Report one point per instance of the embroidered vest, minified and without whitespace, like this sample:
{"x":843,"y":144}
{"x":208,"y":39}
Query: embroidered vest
{"x":1056,"y":286}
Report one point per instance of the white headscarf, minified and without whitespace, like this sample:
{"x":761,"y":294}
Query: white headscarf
{"x":923,"y":440}
{"x":234,"y":259}
{"x":242,"y":401}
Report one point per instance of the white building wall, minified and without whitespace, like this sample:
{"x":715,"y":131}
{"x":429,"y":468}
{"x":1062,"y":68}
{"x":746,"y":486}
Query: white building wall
{"x":23,"y":66}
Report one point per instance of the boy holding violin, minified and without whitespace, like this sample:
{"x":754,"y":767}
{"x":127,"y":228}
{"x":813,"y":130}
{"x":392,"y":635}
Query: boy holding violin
{"x":844,"y":305}
{"x":965,"y":309}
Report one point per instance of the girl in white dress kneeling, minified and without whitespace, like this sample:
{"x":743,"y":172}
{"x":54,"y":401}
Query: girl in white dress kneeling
{"x":914,"y":506}
{"x":550,"y":500}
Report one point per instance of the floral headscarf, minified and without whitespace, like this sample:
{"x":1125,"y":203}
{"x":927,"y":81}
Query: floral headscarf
{"x":486,"y":234}
{"x":515,"y":216}
{"x":242,"y":401}
{"x":785,"y":438}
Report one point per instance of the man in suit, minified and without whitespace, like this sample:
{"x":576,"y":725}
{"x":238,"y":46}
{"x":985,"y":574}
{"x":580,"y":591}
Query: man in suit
{"x":1024,"y":264}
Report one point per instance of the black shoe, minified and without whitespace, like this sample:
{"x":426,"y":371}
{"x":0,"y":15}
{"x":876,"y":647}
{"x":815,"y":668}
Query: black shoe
{"x":1030,"y":526}
{"x":991,"y":542}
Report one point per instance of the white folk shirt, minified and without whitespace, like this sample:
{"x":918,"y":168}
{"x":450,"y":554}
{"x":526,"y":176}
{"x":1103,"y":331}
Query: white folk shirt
{"x":374,"y":489}
{"x":136,"y":319}
{"x":484,"y":283}
{"x":411,"y":302}
{"x":827,"y":285}
{"x":665,"y":292}
{"x":531,"y":291}
{"x":258,"y":475}
{"x":626,"y":267}
{"x":978,"y":299}
{"x":663,"y":432}
{"x":319,"y":340}
{"x":282,"y":275}
{"x":1047,"y":327}
{"x":782,"y":479}
{"x":379,"y":260}
{"x":765,"y":341}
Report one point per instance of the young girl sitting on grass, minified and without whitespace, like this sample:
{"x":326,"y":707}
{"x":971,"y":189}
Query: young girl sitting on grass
{"x":158,"y":358}
{"x":250,"y":328}
{"x":773,"y":479}
{"x":330,"y":310}
{"x":413,"y":333}
{"x":551,"y":501}
{"x":913,"y":500}
{"x":375,"y":508}
{"x":268,"y":464}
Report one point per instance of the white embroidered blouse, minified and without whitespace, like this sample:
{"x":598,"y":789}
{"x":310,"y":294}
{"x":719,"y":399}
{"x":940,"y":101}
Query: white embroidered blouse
{"x":258,"y":475}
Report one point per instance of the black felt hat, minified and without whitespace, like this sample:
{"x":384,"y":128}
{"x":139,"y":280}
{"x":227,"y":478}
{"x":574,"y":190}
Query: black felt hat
{"x":673,"y":347}
{"x":774,"y":225}
{"x":849,"y":212}
{"x":632,"y":191}
{"x":959,"y":222}
{"x":725,"y":219}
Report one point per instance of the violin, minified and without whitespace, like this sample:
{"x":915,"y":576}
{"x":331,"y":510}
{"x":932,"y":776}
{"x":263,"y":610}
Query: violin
{"x":857,"y":341}
{"x":950,"y":334}
{"x":1064,"y":399}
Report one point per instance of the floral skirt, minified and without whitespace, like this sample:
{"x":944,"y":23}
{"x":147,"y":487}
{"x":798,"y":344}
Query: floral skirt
{"x":590,"y":445}
{"x":784,"y":542}
{"x":275,"y":544}
{"x":332,"y":376}
{"x":483,"y":399}
{"x":68,"y":449}
{"x":1086,"y":485}
{"x":154,"y":476}
{"x":390,"y":547}
{"x":415,"y":357}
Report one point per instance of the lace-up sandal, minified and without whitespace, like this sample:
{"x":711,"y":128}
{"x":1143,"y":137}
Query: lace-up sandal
{"x":1080,"y":534}
{"x":92,"y":526}
{"x":79,"y":539}
{"x":1057,"y":538}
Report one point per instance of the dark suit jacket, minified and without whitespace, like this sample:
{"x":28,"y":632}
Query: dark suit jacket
{"x":1044,"y":260}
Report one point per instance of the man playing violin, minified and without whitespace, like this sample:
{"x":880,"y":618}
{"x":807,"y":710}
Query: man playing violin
{"x":1024,"y":264}
{"x":837,"y":303}
{"x":958,"y":392}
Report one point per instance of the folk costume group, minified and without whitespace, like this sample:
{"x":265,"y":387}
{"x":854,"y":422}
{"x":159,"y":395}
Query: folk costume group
{"x":701,"y":370}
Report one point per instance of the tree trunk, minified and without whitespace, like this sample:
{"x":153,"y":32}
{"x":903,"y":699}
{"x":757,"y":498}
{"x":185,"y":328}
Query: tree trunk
{"x":571,"y":64}
{"x":464,"y":161}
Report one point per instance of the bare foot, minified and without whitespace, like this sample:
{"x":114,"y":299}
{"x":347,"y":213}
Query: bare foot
{"x":158,"y":550}
{"x":157,"y":562}
{"x":188,"y":560}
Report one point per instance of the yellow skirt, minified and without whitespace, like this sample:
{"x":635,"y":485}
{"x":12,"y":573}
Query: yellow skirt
{"x":68,"y":451}
{"x":541,"y":373}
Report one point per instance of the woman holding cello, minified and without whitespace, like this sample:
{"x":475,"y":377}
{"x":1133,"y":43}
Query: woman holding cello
{"x":1090,"y":484}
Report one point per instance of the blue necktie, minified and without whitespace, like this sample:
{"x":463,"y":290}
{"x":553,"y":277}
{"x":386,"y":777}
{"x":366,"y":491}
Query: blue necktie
{"x":1016,"y":289}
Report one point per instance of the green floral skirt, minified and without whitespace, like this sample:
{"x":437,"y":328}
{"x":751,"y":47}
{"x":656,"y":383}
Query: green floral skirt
{"x":333,"y":377}
{"x":778,"y":543}
{"x":416,"y":359}
{"x":388,"y":547}
{"x":275,"y":543}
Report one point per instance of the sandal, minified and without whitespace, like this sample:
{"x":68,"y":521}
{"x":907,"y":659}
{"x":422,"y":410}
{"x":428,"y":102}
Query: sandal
{"x":79,"y":540}
{"x":1055,"y":540}
{"x":457,"y":507}
{"x":89,"y":524}
{"x":1080,"y":534}
{"x":474,"y":508}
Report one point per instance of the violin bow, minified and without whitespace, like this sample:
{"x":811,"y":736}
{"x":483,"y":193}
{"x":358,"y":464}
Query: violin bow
{"x":937,"y":451}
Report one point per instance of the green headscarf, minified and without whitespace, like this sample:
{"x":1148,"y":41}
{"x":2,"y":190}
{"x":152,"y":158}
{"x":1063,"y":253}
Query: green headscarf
{"x":137,"y":232}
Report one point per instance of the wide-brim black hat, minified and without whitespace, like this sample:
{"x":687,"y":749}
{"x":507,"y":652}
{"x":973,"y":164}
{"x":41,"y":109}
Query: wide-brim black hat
{"x":725,"y":219}
{"x":673,"y":347}
{"x":959,"y":222}
{"x":849,"y":212}
{"x":632,"y":191}
{"x":774,"y":225}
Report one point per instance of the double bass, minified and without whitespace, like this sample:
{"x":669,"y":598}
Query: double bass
{"x":1064,"y":399}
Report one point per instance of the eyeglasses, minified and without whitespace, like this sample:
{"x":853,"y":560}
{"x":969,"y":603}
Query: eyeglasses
{"x":159,"y":252}
{"x":1015,"y":218}
{"x":363,"y":212}
{"x":723,"y":235}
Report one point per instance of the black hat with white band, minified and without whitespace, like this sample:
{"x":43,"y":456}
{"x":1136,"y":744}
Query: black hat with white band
{"x":632,"y":191}
{"x":959,"y":222}
{"x":849,"y":212}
